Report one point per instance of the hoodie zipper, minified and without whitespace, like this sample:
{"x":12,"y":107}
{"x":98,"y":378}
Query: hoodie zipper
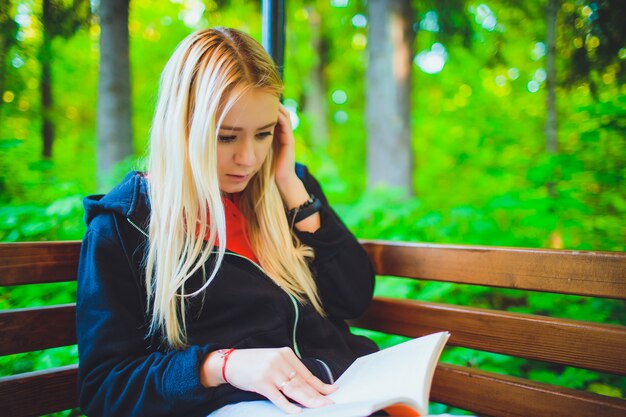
{"x":295,"y":325}
{"x":291,"y":297}
{"x":137,"y":227}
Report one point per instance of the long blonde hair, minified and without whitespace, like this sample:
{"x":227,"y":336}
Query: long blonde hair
{"x":186,"y":202}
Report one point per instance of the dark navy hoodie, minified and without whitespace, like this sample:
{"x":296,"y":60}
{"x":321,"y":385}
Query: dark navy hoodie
{"x":124,"y":373}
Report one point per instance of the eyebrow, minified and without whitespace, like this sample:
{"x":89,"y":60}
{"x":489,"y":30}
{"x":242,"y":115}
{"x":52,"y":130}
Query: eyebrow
{"x":240,"y":129}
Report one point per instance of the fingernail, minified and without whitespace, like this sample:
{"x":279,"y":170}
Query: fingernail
{"x":293,"y":409}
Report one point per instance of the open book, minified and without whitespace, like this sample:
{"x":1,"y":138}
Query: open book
{"x":396,"y":379}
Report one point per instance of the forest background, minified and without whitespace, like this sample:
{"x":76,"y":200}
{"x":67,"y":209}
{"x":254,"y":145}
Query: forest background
{"x":483,"y":168}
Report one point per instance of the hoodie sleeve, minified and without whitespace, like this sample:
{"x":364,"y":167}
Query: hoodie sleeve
{"x":119,"y":375}
{"x":342,"y":269}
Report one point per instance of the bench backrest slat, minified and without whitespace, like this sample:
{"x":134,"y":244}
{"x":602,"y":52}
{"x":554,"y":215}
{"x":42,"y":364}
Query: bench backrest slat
{"x":597,"y":274}
{"x":489,"y":394}
{"x":31,"y":329}
{"x":595,"y":346}
{"x":38,"y":262}
{"x":38,"y":393}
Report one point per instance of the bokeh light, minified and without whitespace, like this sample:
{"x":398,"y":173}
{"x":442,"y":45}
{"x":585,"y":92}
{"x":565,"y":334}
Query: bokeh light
{"x":194,"y":9}
{"x":359,"y":21}
{"x":339,"y":97}
{"x":339,"y":3}
{"x":430,"y":22}
{"x":340,"y":117}
{"x":359,"y":41}
{"x":485,"y":17}
{"x":433,"y":61}
{"x":17,"y":62}
{"x":540,"y":75}
{"x":8,"y":96}
{"x":292,"y":107}
{"x":539,"y":51}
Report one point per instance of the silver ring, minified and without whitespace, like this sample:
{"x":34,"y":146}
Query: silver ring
{"x":283,"y":384}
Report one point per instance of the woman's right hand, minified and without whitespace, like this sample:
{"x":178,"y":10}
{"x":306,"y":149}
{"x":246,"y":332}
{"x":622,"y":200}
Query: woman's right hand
{"x":275,"y":373}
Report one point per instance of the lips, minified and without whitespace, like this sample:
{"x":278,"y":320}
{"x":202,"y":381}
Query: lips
{"x":239,"y":178}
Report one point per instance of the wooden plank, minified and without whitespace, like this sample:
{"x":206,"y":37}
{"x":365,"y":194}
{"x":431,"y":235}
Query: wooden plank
{"x":489,"y":394}
{"x":38,"y":262}
{"x":37,"y":393}
{"x":599,"y":274}
{"x":30,"y":329}
{"x":600,"y":347}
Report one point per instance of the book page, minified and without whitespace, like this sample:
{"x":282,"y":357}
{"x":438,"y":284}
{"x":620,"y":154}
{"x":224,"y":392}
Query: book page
{"x":351,"y":409}
{"x":402,"y":371}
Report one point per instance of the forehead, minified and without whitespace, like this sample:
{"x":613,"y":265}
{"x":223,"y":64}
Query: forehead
{"x":253,"y":109}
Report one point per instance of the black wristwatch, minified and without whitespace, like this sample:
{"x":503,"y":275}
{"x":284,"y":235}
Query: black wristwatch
{"x":309,"y":207}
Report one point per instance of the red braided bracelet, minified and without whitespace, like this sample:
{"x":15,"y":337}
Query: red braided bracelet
{"x":224,"y":354}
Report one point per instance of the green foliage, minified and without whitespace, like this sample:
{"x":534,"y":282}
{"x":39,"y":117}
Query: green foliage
{"x":61,"y":220}
{"x":49,"y":358}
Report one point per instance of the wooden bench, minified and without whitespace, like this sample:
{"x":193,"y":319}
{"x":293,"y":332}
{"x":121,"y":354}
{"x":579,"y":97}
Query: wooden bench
{"x":598,"y":347}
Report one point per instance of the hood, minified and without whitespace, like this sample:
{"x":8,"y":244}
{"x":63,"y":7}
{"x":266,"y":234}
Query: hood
{"x":129,"y":199}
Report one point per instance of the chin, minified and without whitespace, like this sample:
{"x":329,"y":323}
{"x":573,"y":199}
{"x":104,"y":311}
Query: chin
{"x":234,"y":188}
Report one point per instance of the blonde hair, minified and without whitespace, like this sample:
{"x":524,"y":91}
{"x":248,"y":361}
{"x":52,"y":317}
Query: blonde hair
{"x":196,"y":91}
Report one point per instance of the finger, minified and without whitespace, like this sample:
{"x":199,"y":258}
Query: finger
{"x":308,"y":377}
{"x":283,"y":109}
{"x":280,"y":401}
{"x":299,"y":390}
{"x":284,"y":125}
{"x":284,"y":379}
{"x":328,"y":389}
{"x":285,"y":116}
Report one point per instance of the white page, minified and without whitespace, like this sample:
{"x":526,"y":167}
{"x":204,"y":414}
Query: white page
{"x":401,"y":371}
{"x":340,"y":410}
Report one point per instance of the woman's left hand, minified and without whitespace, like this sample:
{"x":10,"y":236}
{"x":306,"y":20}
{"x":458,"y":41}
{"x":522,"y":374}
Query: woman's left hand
{"x":291,"y":188}
{"x":284,"y":148}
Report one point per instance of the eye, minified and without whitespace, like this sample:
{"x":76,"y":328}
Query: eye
{"x":226,"y":139}
{"x":263,"y":135}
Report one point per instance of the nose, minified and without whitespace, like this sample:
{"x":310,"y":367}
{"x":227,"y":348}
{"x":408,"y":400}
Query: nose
{"x":244,"y":154}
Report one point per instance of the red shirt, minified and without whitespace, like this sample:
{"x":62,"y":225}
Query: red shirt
{"x":236,"y":230}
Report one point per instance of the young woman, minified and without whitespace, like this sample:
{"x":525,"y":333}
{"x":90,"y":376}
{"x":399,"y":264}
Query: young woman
{"x":220,"y":279}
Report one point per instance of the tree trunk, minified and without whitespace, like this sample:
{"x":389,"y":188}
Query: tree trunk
{"x":115,"y":137}
{"x":47,"y":126}
{"x":390,"y":46}
{"x":551,"y":127}
{"x":316,"y":91}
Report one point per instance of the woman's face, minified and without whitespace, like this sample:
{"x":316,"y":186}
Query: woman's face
{"x":245,"y":138}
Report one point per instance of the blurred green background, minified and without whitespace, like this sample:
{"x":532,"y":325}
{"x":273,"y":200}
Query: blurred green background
{"x":482,"y":171}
